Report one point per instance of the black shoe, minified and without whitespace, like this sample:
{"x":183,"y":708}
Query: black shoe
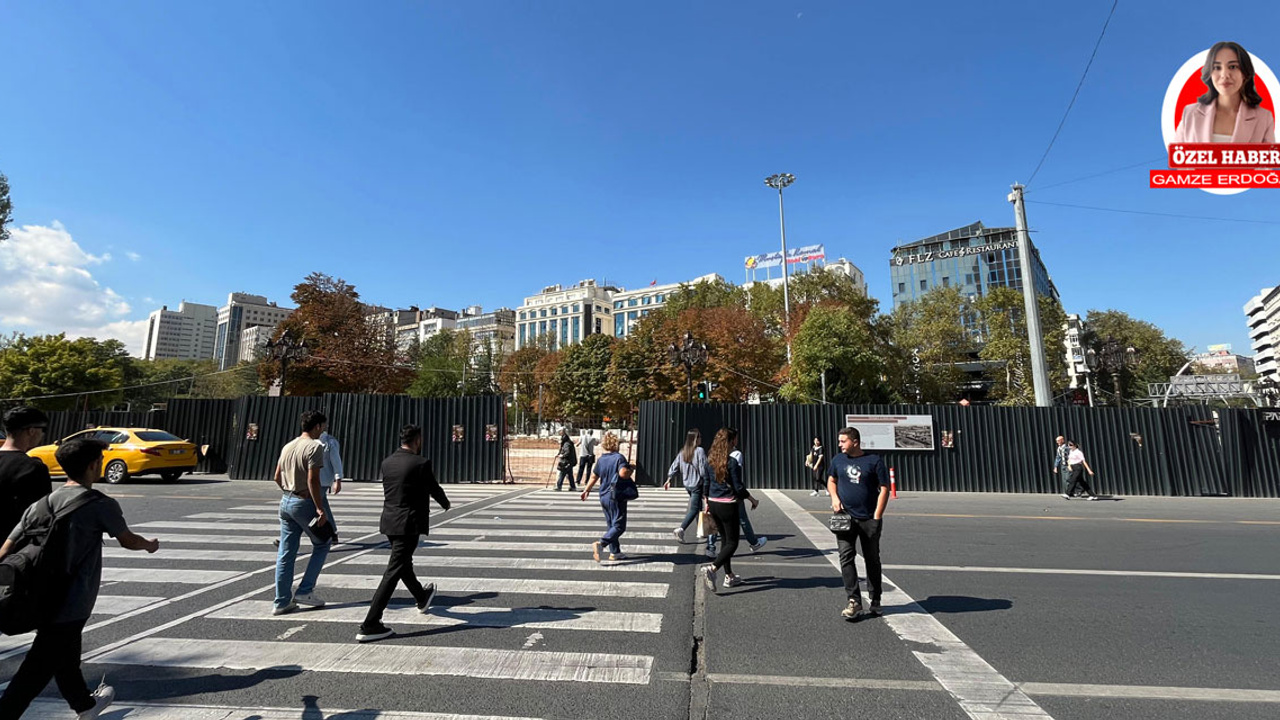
{"x":875,"y":608}
{"x":425,"y":606}
{"x":376,"y":632}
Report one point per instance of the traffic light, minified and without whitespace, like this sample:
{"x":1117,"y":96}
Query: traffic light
{"x":702,"y":392}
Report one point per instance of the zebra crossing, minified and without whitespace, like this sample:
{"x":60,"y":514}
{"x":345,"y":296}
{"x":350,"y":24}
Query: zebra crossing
{"x":519,"y":596}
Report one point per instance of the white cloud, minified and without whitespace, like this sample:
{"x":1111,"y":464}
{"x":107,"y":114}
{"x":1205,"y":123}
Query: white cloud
{"x":46,"y":287}
{"x":132,"y":255}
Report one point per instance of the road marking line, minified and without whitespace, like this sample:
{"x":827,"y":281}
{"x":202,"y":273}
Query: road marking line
{"x":859,"y":683}
{"x":342,"y":513}
{"x":1152,"y":692}
{"x":540,"y":547}
{"x":291,"y":632}
{"x":596,"y":516}
{"x":186,"y":554}
{"x":1071,"y":571}
{"x":509,"y":563}
{"x":166,"y":575}
{"x":57,"y":710}
{"x":448,"y":616}
{"x":586,"y":533}
{"x":591,"y":588}
{"x":1171,"y":521}
{"x":118,"y":604}
{"x":386,"y":659}
{"x":202,"y":525}
{"x":540,"y":521}
{"x":983,"y":693}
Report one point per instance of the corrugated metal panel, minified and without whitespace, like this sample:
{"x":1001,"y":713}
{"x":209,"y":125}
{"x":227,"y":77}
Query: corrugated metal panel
{"x":209,"y":424}
{"x":996,"y":449}
{"x":1252,"y":452}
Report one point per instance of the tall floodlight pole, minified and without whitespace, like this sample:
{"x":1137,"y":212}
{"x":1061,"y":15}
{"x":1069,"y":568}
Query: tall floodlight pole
{"x":1039,"y":374}
{"x":779,"y":182}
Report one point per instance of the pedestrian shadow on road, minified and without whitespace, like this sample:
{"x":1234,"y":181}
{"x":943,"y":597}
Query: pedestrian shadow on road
{"x":159,"y":684}
{"x":763,"y":583}
{"x":496,"y":619}
{"x":311,"y":711}
{"x":962,"y":604}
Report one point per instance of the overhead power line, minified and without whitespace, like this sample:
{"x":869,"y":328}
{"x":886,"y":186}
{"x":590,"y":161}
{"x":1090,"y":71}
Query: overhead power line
{"x":1145,"y":163}
{"x":186,"y":379}
{"x":1076,"y":93}
{"x":1157,"y":214}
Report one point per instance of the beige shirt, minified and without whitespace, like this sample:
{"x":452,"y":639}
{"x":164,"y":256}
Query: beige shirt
{"x":301,"y":454}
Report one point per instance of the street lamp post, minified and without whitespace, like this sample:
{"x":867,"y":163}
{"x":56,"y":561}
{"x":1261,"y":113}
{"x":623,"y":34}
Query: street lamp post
{"x":778,"y":182}
{"x":286,"y":348}
{"x":1112,"y":357}
{"x":688,"y":352}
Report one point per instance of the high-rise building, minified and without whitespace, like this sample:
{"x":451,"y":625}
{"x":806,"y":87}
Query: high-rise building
{"x":241,"y":312}
{"x":1263,"y":315}
{"x":253,"y":342}
{"x":561,"y":317}
{"x":185,"y":334}
{"x":973,"y":258}
{"x":495,"y":331}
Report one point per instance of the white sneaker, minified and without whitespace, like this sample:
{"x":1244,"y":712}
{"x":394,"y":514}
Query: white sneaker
{"x":1066,"y":496}
{"x":813,"y":494}
{"x":709,"y":574}
{"x":425,"y":606}
{"x":679,"y":533}
{"x":732,"y":581}
{"x":286,"y":609}
{"x":310,"y":600}
{"x":102,"y":697}
{"x":762,"y":540}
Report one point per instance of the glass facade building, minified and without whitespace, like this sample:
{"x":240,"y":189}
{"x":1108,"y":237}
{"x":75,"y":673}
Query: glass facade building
{"x":973,"y":258}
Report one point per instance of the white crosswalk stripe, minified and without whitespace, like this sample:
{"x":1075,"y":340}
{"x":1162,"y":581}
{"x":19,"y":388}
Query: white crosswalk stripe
{"x":57,"y":710}
{"x":544,"y":618}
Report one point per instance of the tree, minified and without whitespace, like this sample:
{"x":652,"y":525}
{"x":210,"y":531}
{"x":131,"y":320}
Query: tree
{"x":937,"y":329}
{"x":1159,"y":356}
{"x":1002,"y":312}
{"x":636,"y":371}
{"x":53,"y":365}
{"x":517,"y":377}
{"x":544,"y":373}
{"x":742,"y":357}
{"x":6,"y":208}
{"x":703,"y":295}
{"x":580,"y":377}
{"x":853,"y":353}
{"x":439,"y":362}
{"x":347,"y":352}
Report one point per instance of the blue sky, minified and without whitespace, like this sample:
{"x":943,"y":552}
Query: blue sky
{"x":472,"y":152}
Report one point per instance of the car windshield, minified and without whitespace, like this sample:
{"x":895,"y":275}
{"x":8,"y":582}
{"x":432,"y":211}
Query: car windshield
{"x":156,"y":436}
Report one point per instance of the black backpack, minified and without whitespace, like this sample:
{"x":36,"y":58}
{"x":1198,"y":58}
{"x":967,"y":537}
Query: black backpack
{"x":38,"y":571}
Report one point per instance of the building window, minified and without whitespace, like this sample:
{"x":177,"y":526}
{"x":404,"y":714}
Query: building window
{"x":553,"y":312}
{"x":946,"y":281}
{"x":542,"y":327}
{"x":617,"y":304}
{"x":646,"y":300}
{"x":924,"y":284}
{"x":543,"y":313}
{"x":619,"y":326}
{"x":575,"y":308}
{"x":631,"y":302}
{"x":902,"y":287}
{"x":577,"y":328}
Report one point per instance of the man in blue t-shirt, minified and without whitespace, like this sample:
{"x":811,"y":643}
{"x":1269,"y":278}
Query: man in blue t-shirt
{"x":859,"y":485}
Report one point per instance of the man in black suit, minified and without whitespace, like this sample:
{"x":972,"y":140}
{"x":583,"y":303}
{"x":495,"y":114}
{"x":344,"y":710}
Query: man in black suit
{"x":407,"y":488}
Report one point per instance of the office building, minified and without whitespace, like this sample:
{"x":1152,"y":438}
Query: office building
{"x":1077,"y":363}
{"x":1263,"y":315}
{"x":187,"y":333}
{"x":253,"y":342}
{"x":1220,"y":360}
{"x":242,"y":311}
{"x":973,"y":258}
{"x":493,"y":331}
{"x":558,"y":317}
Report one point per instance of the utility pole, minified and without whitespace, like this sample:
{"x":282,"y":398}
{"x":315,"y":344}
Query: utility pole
{"x":538,"y":432}
{"x":1039,"y":374}
{"x":781,"y":181}
{"x":824,"y":387}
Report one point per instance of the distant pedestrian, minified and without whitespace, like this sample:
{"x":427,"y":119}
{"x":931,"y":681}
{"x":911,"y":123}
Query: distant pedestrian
{"x":23,"y":479}
{"x":587,"y":457}
{"x":609,"y":469}
{"x":566,"y":460}
{"x":55,"y":652}
{"x":1060,"y":466}
{"x":408,"y":485}
{"x":723,"y":491}
{"x":859,"y":485}
{"x":1077,"y":466}
{"x":330,"y":475}
{"x":816,"y":461}
{"x":298,"y":475}
{"x":691,"y":469}
{"x":744,"y":519}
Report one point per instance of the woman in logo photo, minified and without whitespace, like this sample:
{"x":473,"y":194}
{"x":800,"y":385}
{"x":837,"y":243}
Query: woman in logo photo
{"x":1231,"y":110}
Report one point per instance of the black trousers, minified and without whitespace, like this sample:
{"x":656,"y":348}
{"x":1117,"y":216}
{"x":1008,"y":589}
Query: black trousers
{"x":399,"y":569}
{"x":1076,"y":477}
{"x":866,"y":532}
{"x":565,"y":473}
{"x":55,"y":654}
{"x":819,"y":477}
{"x":728,"y":528}
{"x":584,"y":467}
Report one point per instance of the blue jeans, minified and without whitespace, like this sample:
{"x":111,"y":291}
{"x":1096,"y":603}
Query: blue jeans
{"x":748,"y":533}
{"x":695,"y":507}
{"x":295,"y":513}
{"x":615,"y":514}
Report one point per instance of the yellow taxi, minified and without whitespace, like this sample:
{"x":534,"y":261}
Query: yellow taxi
{"x":130,"y":452}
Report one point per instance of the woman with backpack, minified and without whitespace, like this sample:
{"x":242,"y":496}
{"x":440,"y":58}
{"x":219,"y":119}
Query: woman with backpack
{"x":723,"y":490}
{"x":816,"y":461}
{"x":567,"y":460}
{"x":613,"y":472}
{"x":690,"y":467}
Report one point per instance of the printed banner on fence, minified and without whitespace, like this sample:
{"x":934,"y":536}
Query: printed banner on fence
{"x":893,"y":432}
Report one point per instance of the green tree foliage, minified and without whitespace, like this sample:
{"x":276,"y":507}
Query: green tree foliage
{"x":159,"y":381}
{"x":6,"y":208}
{"x":933,"y":329}
{"x":517,"y":377}
{"x":636,"y":369}
{"x":53,"y":365}
{"x":439,"y":361}
{"x":703,"y":295}
{"x":852,"y":351}
{"x":1159,"y":356}
{"x":579,"y":379}
{"x":1006,"y":347}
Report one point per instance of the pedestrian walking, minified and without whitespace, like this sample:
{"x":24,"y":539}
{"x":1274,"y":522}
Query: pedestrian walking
{"x":408,"y":485}
{"x":587,"y":457}
{"x":1060,"y":465}
{"x":691,"y":469}
{"x":1076,"y":467}
{"x":23,"y":479}
{"x":816,"y":461}
{"x":723,"y":490}
{"x":566,"y":460}
{"x":302,"y":510}
{"x":330,"y":476}
{"x":55,"y":652}
{"x":859,"y":485}
{"x":611,"y":471}
{"x":744,"y":519}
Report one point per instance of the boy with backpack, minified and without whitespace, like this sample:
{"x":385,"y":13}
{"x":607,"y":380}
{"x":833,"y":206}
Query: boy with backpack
{"x":54,"y":562}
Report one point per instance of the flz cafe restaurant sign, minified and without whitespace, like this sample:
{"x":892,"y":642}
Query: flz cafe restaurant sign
{"x":957,"y":252}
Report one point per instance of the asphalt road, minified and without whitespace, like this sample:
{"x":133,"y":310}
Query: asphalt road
{"x":1004,"y":604}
